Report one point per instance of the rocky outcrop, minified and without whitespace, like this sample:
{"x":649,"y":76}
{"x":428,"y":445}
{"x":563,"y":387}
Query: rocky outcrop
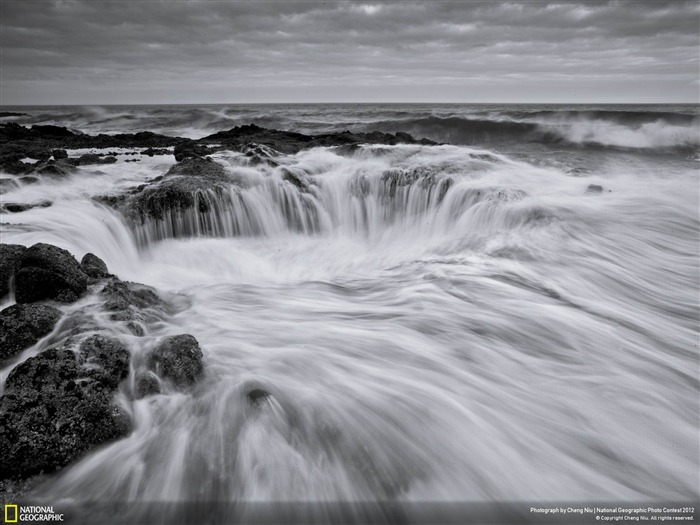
{"x":130,"y":303}
{"x":185,"y":186}
{"x":93,"y":266}
{"x":23,"y":325}
{"x":16,"y":207}
{"x":178,"y":359}
{"x":56,"y":407}
{"x":48,"y":272}
{"x":10,"y":257}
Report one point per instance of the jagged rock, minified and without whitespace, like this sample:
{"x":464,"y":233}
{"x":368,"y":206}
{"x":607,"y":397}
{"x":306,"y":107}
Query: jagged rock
{"x":49,"y":272}
{"x":185,"y":185}
{"x":10,"y":257}
{"x":107,"y":359}
{"x":53,"y":412}
{"x":179,"y":359}
{"x":23,"y":325}
{"x":128,"y":302}
{"x":93,"y":266}
{"x":190,"y":149}
{"x":260,"y":154}
{"x":301,"y":182}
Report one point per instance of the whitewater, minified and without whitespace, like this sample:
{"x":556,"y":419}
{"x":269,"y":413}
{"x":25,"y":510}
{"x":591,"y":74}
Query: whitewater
{"x":511,"y":315}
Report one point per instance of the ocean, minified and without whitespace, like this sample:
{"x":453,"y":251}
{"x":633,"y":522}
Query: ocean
{"x":515,"y":319}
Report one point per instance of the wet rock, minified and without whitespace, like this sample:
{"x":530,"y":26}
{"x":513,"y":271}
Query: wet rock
{"x":93,"y":158}
{"x":10,"y":257}
{"x":156,"y":151}
{"x":23,"y":325}
{"x":190,"y":184}
{"x":59,"y":168}
{"x":59,"y":154}
{"x":107,"y":359}
{"x":49,"y":272}
{"x":129,"y":302}
{"x":93,"y":266}
{"x":53,"y":412}
{"x":146,"y":384}
{"x":190,"y":150}
{"x":260,"y":154}
{"x":4,"y":114}
{"x":257,"y":396}
{"x":15,"y":207}
{"x":179,"y":359}
{"x":594,"y":188}
{"x":301,"y":182}
{"x":8,"y":185}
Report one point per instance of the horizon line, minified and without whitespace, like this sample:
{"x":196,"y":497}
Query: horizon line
{"x":697,"y":103}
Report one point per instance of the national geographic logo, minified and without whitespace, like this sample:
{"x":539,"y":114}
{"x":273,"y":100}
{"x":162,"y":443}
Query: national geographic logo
{"x":26,"y":514}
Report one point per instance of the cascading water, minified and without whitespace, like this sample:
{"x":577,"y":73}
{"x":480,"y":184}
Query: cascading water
{"x":432,"y":324}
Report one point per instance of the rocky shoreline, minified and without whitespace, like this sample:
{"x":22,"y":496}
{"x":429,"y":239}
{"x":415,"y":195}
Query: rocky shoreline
{"x":68,"y":367}
{"x":59,"y":401}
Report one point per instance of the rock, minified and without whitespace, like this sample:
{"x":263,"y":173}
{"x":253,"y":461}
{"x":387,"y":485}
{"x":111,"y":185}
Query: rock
{"x":186,"y":185}
{"x":260,"y":154}
{"x":190,"y":149}
{"x":128,"y":302}
{"x":179,"y":359}
{"x":15,"y":207}
{"x":4,"y":114}
{"x":156,"y":151}
{"x":49,"y":272}
{"x":10,"y":257}
{"x":107,"y":358}
{"x":23,"y":325}
{"x":53,"y":412}
{"x":594,"y":188}
{"x":146,"y":384}
{"x":257,"y":396}
{"x":58,"y":168}
{"x":93,"y":266}
{"x":301,"y":182}
{"x":59,"y":154}
{"x":92,"y":158}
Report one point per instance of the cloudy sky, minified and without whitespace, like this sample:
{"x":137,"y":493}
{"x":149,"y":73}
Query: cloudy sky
{"x":101,"y":52}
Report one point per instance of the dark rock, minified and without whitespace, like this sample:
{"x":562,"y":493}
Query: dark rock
{"x":106,"y":358}
{"x":10,"y":257}
{"x":28,"y":179}
{"x":146,"y":384}
{"x":59,"y":168}
{"x":49,"y":272}
{"x":38,"y":154}
{"x":93,"y":266}
{"x":186,"y":185}
{"x":15,"y":207}
{"x":301,"y":182}
{"x":129,"y":302}
{"x":52,"y":131}
{"x":260,"y":154}
{"x":92,"y":158}
{"x":179,"y":359}
{"x":189,"y":150}
{"x":59,"y":154}
{"x":156,"y":151}
{"x":8,"y":185}
{"x":257,"y":396}
{"x":53,"y":412}
{"x":594,"y":188}
{"x":23,"y":325}
{"x":4,"y":114}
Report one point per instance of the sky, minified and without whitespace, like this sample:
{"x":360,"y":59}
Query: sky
{"x":196,"y":51}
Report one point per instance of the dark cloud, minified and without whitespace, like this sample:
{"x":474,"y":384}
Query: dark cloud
{"x":70,"y":51}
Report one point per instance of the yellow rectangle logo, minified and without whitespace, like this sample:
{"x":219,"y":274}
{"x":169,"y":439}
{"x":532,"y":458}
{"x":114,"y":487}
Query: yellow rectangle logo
{"x":11,"y":513}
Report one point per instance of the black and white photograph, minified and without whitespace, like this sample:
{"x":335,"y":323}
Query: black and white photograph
{"x":349,"y":262}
